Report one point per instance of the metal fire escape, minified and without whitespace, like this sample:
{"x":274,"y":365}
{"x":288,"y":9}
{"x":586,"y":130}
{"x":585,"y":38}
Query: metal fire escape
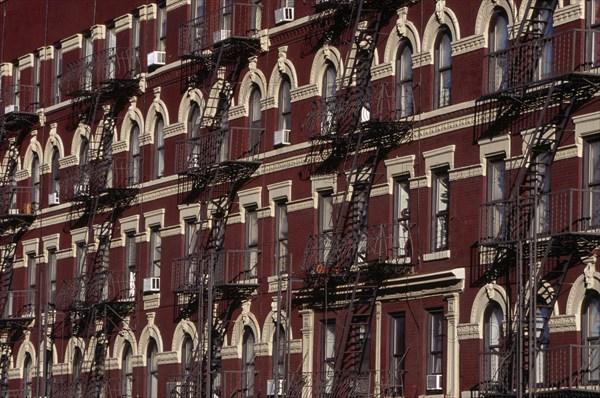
{"x":530,"y":239}
{"x":98,"y":299}
{"x":210,"y":282}
{"x":351,"y":132}
{"x":18,"y":106}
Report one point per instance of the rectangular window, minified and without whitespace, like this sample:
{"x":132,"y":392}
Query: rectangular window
{"x":592,"y":182}
{"x":325,"y":226}
{"x":31,"y":282}
{"x":58,"y":65}
{"x":16,"y":81}
{"x":328,"y":355}
{"x":189,"y":248}
{"x":155,"y":251}
{"x":542,"y":166}
{"x":161,"y":29}
{"x":251,"y":242}
{"x":88,"y":64}
{"x":35,"y":96}
{"x":52,"y":276}
{"x":496,"y":191}
{"x":111,"y":52}
{"x":434,"y":341}
{"x":130,"y":264}
{"x":401,"y":234}
{"x":397,"y":353}
{"x":281,"y":233}
{"x":135,"y":43}
{"x":440,"y":200}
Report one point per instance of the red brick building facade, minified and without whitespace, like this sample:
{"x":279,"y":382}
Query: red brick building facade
{"x":299,"y":198}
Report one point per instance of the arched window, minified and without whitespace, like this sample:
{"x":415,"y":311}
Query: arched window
{"x":35,"y":182}
{"x":127,"y":369}
{"x":497,"y":43}
{"x":248,"y":363}
{"x":55,"y":172}
{"x":77,"y":381}
{"x":492,"y":341}
{"x":255,"y":116}
{"x":152,"y":370}
{"x":159,"y":146}
{"x":27,"y":376}
{"x":591,"y":338}
{"x":193,"y":146}
{"x":82,"y":186}
{"x":134,"y":155}
{"x":329,"y":96}
{"x":187,"y":355}
{"x":48,"y":373}
{"x":545,"y":28}
{"x":285,"y":105}
{"x":404,"y":80}
{"x":443,"y":69}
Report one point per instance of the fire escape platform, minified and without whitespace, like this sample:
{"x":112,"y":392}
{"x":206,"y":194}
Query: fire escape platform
{"x":506,"y":105}
{"x":16,"y":122}
{"x":13,"y":221}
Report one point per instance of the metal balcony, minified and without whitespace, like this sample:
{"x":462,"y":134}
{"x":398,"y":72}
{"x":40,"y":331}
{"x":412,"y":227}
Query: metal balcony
{"x":113,"y":180}
{"x":17,"y":308}
{"x":112,"y":72}
{"x":18,"y":107}
{"x":230,"y":270}
{"x":574,"y":52}
{"x":18,"y":206}
{"x":235,"y":25}
{"x":571,"y":211}
{"x":384,"y":246}
{"x":562,"y":371}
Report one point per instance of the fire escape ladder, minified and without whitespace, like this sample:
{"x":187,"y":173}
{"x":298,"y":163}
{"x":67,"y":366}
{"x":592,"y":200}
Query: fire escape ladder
{"x":350,"y":375}
{"x":532,"y":26}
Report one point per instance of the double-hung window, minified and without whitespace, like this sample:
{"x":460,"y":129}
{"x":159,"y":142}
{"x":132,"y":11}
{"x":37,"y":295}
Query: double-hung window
{"x":161,"y":29}
{"x":592,"y":183}
{"x":281,"y":234}
{"x":326,"y":238}
{"x":440,"y":216}
{"x":496,"y":206}
{"x":155,"y":251}
{"x":159,"y":146}
{"x":401,"y":228}
{"x":255,"y":117}
{"x":435,"y":335}
{"x":328,"y":356}
{"x":397,"y":354}
{"x":134,"y":155}
{"x":57,"y":77}
{"x":130,"y":263}
{"x":498,"y":42}
{"x":251,"y":242}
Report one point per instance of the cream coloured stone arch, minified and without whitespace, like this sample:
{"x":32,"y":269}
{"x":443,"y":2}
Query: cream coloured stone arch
{"x":269,"y":329}
{"x":245,"y":319}
{"x":485,"y":13}
{"x":82,"y":131}
{"x":433,"y":26}
{"x":589,"y":281}
{"x":326,"y":55}
{"x":183,"y":328}
{"x":33,"y":147}
{"x":46,"y":346}
{"x":157,"y":107}
{"x":125,"y":336}
{"x":286,"y":67}
{"x":393,"y":43}
{"x":134,"y":115}
{"x":70,"y":352}
{"x":191,"y":96}
{"x":254,"y":78}
{"x":489,"y":293}
{"x":25,"y":348}
{"x":150,"y":331}
{"x":54,"y":140}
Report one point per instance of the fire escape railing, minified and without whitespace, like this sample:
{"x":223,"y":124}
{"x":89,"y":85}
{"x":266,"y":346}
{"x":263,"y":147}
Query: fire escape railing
{"x":234,"y":21}
{"x":98,"y":70}
{"x":542,"y":59}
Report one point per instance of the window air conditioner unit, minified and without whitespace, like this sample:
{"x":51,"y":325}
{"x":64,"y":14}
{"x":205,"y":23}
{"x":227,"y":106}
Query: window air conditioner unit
{"x":434,"y":382}
{"x":282,"y":137}
{"x":221,"y":35}
{"x":13,"y":211}
{"x":11,"y":108}
{"x":156,"y":58}
{"x":193,"y":161}
{"x":53,"y":199}
{"x":82,"y":190}
{"x":271,"y":388}
{"x":151,"y":284}
{"x":284,"y":14}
